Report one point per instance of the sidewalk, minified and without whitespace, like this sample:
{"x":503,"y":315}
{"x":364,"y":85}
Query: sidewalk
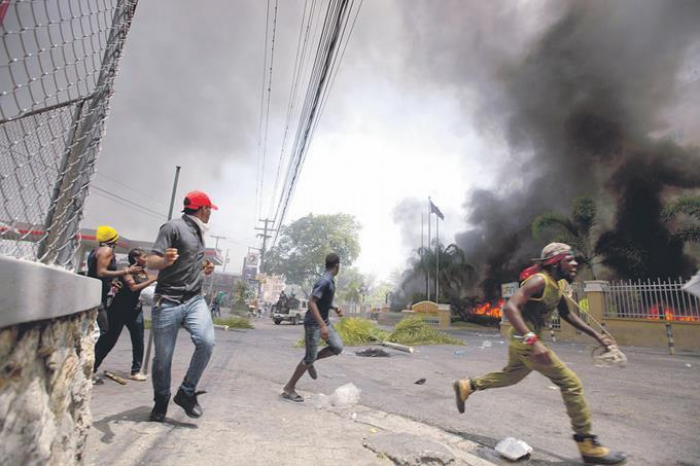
{"x":245,"y":422}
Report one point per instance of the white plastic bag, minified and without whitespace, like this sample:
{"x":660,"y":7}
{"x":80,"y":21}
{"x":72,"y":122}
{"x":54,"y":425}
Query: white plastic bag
{"x":513,"y":449}
{"x":346,"y":395}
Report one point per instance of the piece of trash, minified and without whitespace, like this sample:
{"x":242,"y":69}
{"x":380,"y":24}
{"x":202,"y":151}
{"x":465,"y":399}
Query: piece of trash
{"x":486,"y":344}
{"x":373,"y":430}
{"x":420,"y":382}
{"x":322,"y":401}
{"x":502,"y":342}
{"x":513,"y":449}
{"x":552,"y":387}
{"x":373,"y":353}
{"x":459,"y":352}
{"x":353,"y":416}
{"x":688,"y":365}
{"x":344,"y":396}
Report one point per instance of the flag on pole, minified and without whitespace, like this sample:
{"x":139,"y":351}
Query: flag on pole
{"x":434,"y":210}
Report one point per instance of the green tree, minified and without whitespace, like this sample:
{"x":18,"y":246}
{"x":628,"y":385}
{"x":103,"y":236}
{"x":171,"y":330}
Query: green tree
{"x":303,"y":246}
{"x":351,"y":285}
{"x":456,"y":274}
{"x":574,"y":230}
{"x":242,"y":291}
{"x":684,"y":214}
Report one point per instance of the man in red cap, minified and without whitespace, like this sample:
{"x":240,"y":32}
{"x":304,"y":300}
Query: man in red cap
{"x":179,"y":254}
{"x":529,"y":310}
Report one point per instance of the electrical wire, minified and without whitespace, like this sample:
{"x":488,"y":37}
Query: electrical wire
{"x":267,"y":113}
{"x":127,"y":202}
{"x":325,"y":67}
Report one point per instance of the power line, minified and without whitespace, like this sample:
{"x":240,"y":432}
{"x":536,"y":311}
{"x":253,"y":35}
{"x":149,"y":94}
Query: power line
{"x":258,"y":194}
{"x":121,"y":183}
{"x":298,"y":66}
{"x":325,"y":64}
{"x":267,"y":112}
{"x":129,"y":203}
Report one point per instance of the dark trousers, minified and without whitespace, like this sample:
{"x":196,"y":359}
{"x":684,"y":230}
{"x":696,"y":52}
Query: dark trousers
{"x":118,"y":318}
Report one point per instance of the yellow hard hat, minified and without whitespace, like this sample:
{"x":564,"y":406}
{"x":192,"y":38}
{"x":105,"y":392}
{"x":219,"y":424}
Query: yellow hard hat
{"x":106,"y":234}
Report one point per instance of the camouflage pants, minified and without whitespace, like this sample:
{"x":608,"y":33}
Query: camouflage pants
{"x":521,"y":363}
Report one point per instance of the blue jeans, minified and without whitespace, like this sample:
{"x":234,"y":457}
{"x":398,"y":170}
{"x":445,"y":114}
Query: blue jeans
{"x":312,"y":335}
{"x":167,"y":317}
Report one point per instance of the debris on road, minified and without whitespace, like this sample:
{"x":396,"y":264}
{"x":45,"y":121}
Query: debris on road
{"x":420,"y":381}
{"x":459,"y":352}
{"x":115,"y":377}
{"x":396,"y":346}
{"x":373,"y":353}
{"x":486,"y":344}
{"x":343,"y":397}
{"x":513,"y":449}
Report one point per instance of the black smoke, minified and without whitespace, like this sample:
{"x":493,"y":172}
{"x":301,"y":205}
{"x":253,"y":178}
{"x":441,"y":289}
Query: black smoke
{"x":578,"y":106}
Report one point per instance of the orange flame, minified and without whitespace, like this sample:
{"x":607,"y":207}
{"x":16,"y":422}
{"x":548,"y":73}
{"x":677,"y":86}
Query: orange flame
{"x":487,"y":309}
{"x":669,"y":314}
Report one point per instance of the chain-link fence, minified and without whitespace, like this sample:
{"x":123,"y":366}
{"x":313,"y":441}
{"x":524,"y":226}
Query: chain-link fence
{"x":58,"y":62}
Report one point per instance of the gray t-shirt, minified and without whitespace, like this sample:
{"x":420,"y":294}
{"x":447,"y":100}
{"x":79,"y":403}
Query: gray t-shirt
{"x":182,"y":280}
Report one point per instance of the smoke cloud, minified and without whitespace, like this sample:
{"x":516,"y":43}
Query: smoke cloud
{"x":576,"y":95}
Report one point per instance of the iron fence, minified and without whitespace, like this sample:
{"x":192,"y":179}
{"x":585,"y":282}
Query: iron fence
{"x":651,"y":300}
{"x":58,"y":62}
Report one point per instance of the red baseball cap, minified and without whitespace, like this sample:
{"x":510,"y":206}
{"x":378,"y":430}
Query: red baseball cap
{"x":196,"y":199}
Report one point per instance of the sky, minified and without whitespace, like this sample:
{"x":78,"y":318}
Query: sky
{"x":395,"y":130}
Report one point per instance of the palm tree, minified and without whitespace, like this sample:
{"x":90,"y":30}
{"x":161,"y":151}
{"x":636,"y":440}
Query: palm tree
{"x":684,"y":206}
{"x":574,"y":230}
{"x":456,"y":273}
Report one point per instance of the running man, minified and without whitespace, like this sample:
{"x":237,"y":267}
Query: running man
{"x":317,"y":326}
{"x":529,"y":311}
{"x":179,"y":254}
{"x":126,"y":310}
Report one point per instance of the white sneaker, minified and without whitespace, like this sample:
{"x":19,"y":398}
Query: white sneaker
{"x":139,"y":377}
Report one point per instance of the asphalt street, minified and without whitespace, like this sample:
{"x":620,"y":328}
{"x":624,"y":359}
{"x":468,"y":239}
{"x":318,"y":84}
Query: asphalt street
{"x":650,"y":409}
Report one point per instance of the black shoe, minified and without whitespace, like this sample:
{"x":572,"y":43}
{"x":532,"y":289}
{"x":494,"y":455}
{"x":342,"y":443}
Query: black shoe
{"x":189,"y":403}
{"x":160,"y":409}
{"x":312,"y":371}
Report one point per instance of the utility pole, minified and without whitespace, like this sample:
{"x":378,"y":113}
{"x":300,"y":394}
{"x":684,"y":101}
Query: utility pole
{"x":225,"y":261}
{"x":170,"y":216}
{"x":217,"y":238}
{"x":263,"y":250}
{"x":264,"y":237}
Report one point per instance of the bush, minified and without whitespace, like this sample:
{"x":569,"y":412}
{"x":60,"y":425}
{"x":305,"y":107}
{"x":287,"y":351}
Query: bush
{"x":414,"y":331}
{"x":233,"y":322}
{"x":355,"y":331}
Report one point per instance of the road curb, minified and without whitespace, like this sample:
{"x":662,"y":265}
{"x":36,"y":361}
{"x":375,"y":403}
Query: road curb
{"x":462,"y":450}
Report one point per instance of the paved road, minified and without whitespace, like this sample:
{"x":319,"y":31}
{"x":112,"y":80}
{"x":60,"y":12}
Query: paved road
{"x":651,"y":409}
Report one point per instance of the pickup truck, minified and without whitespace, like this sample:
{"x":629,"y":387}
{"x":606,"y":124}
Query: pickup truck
{"x":293,"y":310}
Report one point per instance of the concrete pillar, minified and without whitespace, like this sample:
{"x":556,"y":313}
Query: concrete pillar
{"x":596,"y":298}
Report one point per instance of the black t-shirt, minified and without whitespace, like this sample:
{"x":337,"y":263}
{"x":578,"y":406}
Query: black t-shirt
{"x":324,"y":291}
{"x":106,"y":281}
{"x":126,"y":299}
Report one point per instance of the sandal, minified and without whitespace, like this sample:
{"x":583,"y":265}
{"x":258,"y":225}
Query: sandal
{"x":292,"y":396}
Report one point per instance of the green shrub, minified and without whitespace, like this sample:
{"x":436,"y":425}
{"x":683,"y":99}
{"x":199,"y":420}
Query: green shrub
{"x":233,"y":322}
{"x":355,"y":331}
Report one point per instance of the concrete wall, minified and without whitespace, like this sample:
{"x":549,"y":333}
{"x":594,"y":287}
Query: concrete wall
{"x":47,"y":318}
